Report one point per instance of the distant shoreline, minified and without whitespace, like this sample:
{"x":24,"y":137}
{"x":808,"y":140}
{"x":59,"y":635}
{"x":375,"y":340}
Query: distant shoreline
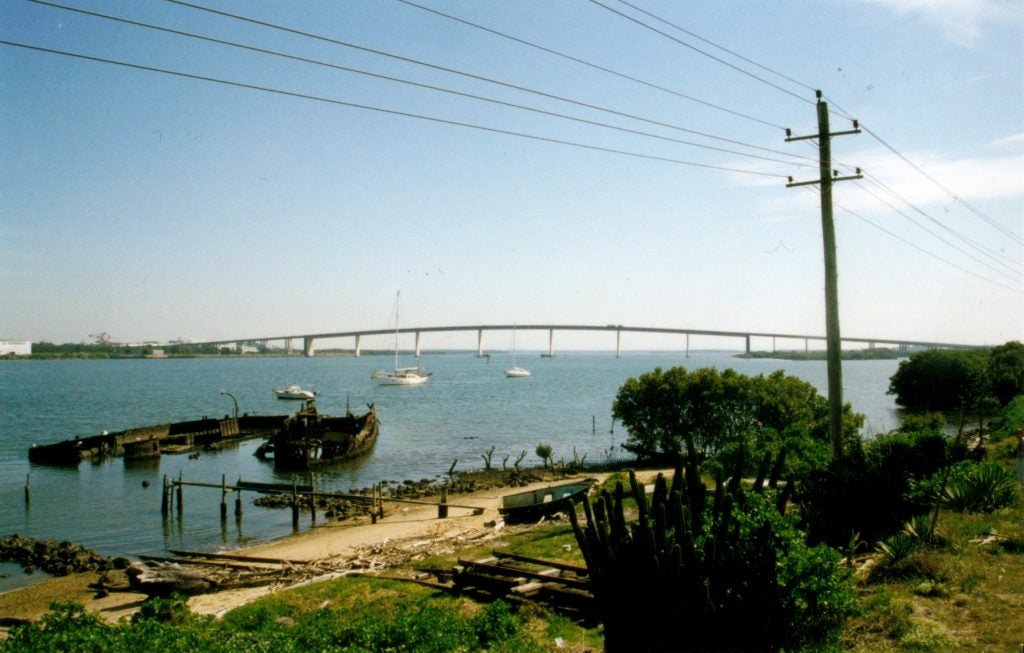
{"x":819,"y":355}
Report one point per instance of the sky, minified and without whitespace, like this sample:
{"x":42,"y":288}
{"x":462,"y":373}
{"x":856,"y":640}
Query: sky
{"x":260,"y":169}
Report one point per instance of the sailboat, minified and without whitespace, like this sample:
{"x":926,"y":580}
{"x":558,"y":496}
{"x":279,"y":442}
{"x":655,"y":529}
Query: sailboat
{"x":401,"y":375}
{"x":515,"y":372}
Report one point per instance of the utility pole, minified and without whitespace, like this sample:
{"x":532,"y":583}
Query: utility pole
{"x":834,"y":353}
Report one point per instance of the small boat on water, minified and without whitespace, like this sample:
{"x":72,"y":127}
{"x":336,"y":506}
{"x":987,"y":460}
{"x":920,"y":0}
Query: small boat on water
{"x":294,"y":392}
{"x":516,"y":372}
{"x":534,"y":504}
{"x":401,"y":375}
{"x":310,"y":439}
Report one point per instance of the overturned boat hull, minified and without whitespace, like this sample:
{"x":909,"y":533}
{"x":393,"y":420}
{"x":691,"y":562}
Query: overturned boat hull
{"x":543,"y":502}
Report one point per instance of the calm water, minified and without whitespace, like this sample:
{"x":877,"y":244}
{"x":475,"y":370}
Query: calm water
{"x":467,"y":408}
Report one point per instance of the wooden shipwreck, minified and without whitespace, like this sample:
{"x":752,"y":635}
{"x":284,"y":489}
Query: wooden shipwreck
{"x":309,"y":439}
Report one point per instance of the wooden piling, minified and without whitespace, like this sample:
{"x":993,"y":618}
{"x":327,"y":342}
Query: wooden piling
{"x":164,"y":507}
{"x":238,"y":498}
{"x":442,"y":505}
{"x":223,"y":497}
{"x":295,"y":506}
{"x":180,"y":497}
{"x":28,"y":489}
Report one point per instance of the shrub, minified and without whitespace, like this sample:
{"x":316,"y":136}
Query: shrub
{"x":869,"y":491}
{"x":980,"y":487}
{"x":707,"y":564}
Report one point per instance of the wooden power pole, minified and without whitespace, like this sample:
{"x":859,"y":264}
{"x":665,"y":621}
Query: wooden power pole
{"x":834,"y":353}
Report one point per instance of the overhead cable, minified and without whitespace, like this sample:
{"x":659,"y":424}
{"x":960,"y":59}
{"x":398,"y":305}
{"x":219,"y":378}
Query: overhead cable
{"x":1008,"y":233}
{"x":394,"y":112}
{"x":720,"y":47}
{"x":935,"y":235}
{"x":590,"y":64}
{"x":469,"y":75}
{"x":702,"y":52}
{"x":832,"y":105}
{"x":416,"y":84}
{"x":987,"y":251}
{"x":926,"y":252}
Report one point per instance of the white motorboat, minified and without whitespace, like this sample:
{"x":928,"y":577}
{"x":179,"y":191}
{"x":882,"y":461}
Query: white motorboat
{"x":401,"y":375}
{"x":294,"y":392}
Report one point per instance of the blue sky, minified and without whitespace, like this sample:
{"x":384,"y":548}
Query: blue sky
{"x":153,"y":206}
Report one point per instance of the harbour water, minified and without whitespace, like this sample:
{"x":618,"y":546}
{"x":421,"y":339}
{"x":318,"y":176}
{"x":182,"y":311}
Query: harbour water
{"x":468,"y":407}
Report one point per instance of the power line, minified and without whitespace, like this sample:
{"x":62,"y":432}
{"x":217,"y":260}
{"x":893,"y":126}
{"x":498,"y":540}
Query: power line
{"x":840,"y":111}
{"x":411,"y":83}
{"x":926,"y":252}
{"x":469,"y":75}
{"x":969,"y":241}
{"x":589,"y":64}
{"x":706,"y":54}
{"x":394,"y":112}
{"x":925,"y":229}
{"x":990,"y":221}
{"x":720,"y":47}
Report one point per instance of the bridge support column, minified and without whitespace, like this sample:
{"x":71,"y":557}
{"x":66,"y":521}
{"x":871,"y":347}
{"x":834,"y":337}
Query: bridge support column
{"x":479,"y":343}
{"x":807,"y":345}
{"x":307,"y":347}
{"x":618,"y":343}
{"x":417,"y":344}
{"x":239,"y":347}
{"x":287,"y":346}
{"x":687,"y":345}
{"x":748,"y":344}
{"x":551,"y":343}
{"x":357,"y":349}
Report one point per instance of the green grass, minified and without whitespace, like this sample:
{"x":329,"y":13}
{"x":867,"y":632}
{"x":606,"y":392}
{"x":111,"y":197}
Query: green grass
{"x":964,"y":594}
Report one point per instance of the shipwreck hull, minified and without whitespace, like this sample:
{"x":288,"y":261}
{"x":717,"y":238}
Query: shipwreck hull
{"x":309,"y":439}
{"x":176,"y":437}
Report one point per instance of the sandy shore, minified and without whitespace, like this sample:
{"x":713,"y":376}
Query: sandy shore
{"x":405,"y":531}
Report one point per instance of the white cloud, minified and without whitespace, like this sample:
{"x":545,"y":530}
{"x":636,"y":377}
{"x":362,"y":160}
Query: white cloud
{"x":963,"y":22}
{"x":1014,"y":139}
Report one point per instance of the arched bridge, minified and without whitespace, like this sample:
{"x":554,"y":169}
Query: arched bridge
{"x":309,"y":349}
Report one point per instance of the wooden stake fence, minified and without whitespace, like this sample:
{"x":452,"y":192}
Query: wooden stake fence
{"x":173,"y":497}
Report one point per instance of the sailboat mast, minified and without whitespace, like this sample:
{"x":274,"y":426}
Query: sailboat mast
{"x":397,"y":295}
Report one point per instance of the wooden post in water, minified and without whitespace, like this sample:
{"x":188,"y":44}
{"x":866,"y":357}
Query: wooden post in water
{"x":223,"y":497}
{"x":180,"y":496}
{"x":164,"y":507}
{"x":238,"y":498}
{"x":28,"y":489}
{"x":295,"y":506}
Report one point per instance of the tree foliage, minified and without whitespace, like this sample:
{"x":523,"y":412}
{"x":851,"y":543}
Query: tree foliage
{"x":959,"y":381}
{"x":712,"y":414}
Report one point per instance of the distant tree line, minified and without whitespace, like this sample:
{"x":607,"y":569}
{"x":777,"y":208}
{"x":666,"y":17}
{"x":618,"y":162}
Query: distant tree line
{"x":114,"y":350}
{"x":871,"y":354}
